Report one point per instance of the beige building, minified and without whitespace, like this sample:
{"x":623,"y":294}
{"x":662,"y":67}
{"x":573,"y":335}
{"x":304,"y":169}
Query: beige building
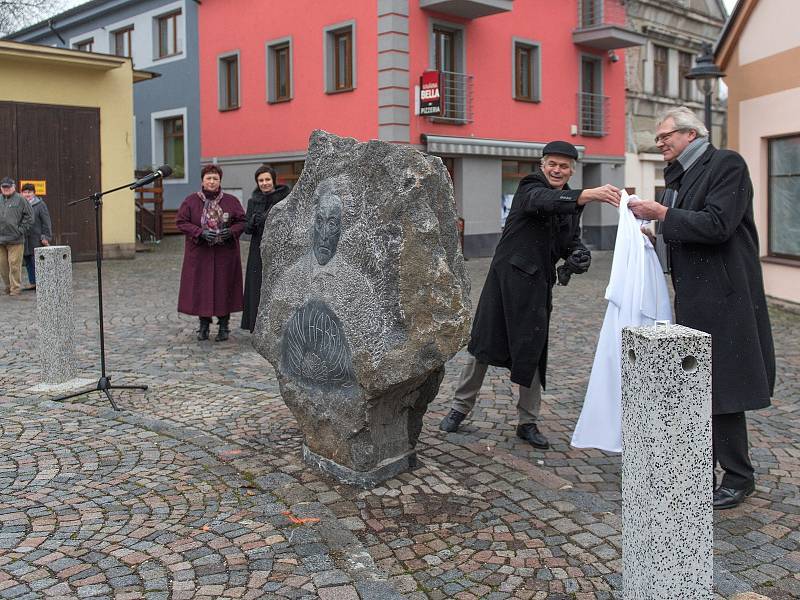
{"x":759,"y":50}
{"x":675,"y":33}
{"x":67,"y":123}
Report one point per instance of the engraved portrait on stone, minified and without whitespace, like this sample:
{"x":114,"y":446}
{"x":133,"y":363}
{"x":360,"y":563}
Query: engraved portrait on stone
{"x":364,"y":298}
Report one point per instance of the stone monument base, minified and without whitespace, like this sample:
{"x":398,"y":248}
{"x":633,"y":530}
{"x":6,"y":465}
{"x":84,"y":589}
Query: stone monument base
{"x":66,"y":387}
{"x":386,"y":469}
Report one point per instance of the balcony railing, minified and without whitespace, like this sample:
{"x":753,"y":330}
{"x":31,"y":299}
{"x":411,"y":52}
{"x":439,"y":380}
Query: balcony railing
{"x":601,"y":25}
{"x":592,"y":13}
{"x":457,"y":93}
{"x":592,"y":114}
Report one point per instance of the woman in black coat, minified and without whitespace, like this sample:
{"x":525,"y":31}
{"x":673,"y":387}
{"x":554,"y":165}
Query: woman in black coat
{"x":265,"y":196}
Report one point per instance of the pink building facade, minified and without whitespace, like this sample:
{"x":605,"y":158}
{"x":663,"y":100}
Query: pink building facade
{"x":514,"y":74}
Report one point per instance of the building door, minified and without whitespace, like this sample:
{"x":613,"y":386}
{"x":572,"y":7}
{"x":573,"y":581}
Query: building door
{"x":61,"y":146}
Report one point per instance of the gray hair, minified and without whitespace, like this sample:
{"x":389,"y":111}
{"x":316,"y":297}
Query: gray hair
{"x":684,"y":119}
{"x":572,"y":161}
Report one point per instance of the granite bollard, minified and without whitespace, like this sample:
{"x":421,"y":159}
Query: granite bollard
{"x":667,"y":513}
{"x":364,"y":298}
{"x":54,"y":313}
{"x":56,"y":321}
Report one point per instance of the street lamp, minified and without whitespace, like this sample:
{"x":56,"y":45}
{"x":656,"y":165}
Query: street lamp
{"x":707,"y":75}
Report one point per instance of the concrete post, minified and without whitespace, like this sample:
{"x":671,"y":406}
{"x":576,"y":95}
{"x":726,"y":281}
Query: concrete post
{"x":55,"y":313}
{"x":667,"y":513}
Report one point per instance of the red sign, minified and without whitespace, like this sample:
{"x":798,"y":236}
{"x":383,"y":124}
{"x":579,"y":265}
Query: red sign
{"x":430,"y":94}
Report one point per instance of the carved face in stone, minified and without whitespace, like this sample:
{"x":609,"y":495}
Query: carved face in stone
{"x":327,"y":227}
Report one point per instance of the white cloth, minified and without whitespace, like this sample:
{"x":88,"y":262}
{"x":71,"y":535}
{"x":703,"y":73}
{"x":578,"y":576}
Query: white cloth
{"x":637,"y":296}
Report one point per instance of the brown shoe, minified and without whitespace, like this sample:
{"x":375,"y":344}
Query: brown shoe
{"x":14,"y":293}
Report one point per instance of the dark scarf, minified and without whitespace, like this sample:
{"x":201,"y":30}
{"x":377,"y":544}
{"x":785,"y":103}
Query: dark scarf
{"x":270,"y":199}
{"x":675,"y":170}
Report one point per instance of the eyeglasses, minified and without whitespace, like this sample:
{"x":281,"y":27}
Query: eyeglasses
{"x":662,"y":137}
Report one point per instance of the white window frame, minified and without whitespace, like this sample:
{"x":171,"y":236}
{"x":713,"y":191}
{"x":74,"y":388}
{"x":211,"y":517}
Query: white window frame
{"x":157,"y":140}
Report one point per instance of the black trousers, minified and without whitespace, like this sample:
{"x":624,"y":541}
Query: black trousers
{"x":731,"y":450}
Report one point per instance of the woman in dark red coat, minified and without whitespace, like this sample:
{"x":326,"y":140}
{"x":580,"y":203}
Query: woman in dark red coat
{"x":211,"y":278}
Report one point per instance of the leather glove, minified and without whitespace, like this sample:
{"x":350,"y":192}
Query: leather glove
{"x":579,"y":261}
{"x":563,"y":274}
{"x":208,"y":236}
{"x":224,"y":235}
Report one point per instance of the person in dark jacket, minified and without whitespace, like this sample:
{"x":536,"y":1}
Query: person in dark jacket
{"x":513,"y":316}
{"x":707,"y":221}
{"x":16,"y":217}
{"x":211,"y":277}
{"x":40,"y":233}
{"x":266,"y":195}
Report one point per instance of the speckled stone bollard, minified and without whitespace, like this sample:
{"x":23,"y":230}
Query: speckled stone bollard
{"x":667,"y":513}
{"x":55,"y":314}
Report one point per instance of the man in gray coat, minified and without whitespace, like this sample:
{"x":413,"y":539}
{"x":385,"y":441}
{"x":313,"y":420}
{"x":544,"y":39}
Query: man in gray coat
{"x":706,"y":218}
{"x":16,"y":218}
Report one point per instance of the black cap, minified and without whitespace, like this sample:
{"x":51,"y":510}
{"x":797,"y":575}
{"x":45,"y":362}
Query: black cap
{"x":28,"y":186}
{"x":6,"y":182}
{"x":561,"y":148}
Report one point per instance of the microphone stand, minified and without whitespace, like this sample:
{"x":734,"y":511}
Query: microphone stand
{"x":104,"y":383}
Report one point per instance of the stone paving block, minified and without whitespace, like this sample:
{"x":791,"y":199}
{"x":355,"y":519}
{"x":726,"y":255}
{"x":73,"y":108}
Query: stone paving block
{"x":216,"y":448}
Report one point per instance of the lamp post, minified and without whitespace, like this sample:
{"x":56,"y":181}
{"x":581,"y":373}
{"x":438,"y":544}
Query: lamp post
{"x":707,"y":76}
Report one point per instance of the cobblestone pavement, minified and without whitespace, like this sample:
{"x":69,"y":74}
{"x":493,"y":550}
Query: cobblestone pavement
{"x":196,"y":490}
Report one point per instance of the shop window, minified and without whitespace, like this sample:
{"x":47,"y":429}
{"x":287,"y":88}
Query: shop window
{"x":513,"y":172}
{"x":289,"y":172}
{"x":784,"y":197}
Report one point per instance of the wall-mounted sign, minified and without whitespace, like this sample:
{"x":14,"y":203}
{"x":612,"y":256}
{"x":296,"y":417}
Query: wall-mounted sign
{"x":430,"y":94}
{"x":39,"y":184}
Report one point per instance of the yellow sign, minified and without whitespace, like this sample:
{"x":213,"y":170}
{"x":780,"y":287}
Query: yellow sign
{"x":39,"y":184}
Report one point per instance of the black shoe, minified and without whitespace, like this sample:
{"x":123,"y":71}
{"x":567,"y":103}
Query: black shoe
{"x":530,"y":433}
{"x":202,"y":333}
{"x":451,"y":422}
{"x":223,"y":331}
{"x":725,"y":497}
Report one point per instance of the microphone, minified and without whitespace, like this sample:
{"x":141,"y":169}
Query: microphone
{"x":162,"y":171}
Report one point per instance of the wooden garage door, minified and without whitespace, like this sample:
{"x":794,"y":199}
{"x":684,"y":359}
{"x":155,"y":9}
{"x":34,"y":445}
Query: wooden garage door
{"x":61,"y":145}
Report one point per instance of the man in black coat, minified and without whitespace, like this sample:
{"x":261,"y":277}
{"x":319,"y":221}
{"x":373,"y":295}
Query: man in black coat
{"x":706,"y":219}
{"x":513,"y":316}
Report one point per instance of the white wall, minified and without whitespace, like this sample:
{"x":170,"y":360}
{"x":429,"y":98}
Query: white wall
{"x":761,"y":118}
{"x":143,"y":37}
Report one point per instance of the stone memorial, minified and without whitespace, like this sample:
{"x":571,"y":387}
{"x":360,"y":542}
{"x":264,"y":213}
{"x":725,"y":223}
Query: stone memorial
{"x":364,"y":298}
{"x":667,"y":512}
{"x":56,"y":320}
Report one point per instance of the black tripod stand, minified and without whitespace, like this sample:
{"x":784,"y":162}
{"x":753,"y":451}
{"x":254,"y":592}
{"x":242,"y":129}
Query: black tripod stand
{"x":104,"y":383}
